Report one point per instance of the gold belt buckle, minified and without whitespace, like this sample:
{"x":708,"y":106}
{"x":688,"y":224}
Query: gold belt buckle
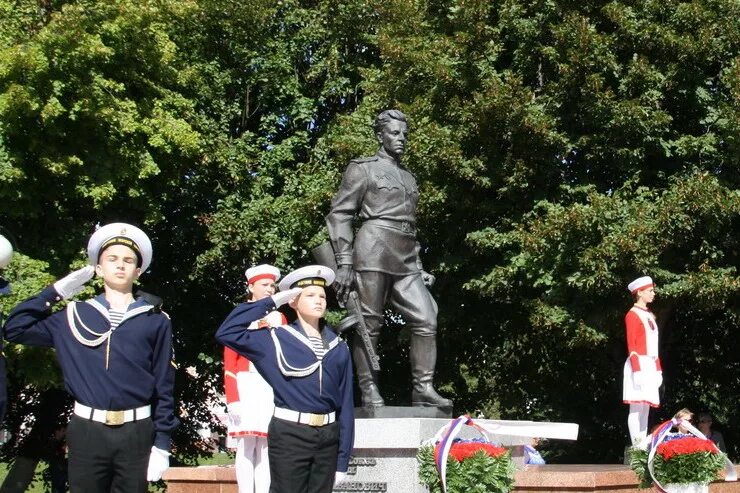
{"x":316,"y":419}
{"x":114,"y":418}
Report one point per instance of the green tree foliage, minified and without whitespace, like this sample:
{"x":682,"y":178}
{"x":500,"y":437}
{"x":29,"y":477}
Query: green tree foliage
{"x":562,"y":149}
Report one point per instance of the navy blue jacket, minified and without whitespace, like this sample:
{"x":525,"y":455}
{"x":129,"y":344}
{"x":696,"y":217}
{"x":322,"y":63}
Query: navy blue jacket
{"x":140,"y":367}
{"x":324,"y":391}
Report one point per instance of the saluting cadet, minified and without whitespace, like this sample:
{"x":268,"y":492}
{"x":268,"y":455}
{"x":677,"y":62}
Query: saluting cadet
{"x":643,"y":373}
{"x":115,"y":352}
{"x":309,"y":367}
{"x":249,"y":397}
{"x":6,"y":253}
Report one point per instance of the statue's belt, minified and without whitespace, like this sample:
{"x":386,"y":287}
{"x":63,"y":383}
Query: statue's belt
{"x":404,"y":226}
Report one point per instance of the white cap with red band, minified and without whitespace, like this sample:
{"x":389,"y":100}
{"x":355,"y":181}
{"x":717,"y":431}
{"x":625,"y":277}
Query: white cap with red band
{"x":640,"y":283}
{"x":264,"y":271}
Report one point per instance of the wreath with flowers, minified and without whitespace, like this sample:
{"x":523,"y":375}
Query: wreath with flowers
{"x":471,"y":466}
{"x":677,"y":459}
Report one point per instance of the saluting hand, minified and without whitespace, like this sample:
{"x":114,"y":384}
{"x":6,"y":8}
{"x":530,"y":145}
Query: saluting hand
{"x":283,"y":297}
{"x":344,"y":281}
{"x":73,"y":283}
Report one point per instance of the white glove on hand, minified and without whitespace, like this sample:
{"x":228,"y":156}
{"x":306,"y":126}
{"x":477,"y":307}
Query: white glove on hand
{"x":339,"y":477}
{"x":660,"y":378}
{"x":159,"y":461}
{"x":638,"y":379}
{"x":234,"y":409}
{"x":283,"y":297}
{"x":274,"y":319}
{"x":73,"y":283}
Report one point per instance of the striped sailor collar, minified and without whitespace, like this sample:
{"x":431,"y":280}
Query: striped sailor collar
{"x":330,"y":338}
{"x":138,"y":307}
{"x":138,"y":303}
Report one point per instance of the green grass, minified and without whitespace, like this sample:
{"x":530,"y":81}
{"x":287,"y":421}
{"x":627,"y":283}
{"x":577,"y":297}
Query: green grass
{"x":217,"y":459}
{"x":38,"y":483}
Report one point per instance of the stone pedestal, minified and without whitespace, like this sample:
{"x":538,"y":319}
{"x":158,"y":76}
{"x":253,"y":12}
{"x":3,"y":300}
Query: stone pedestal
{"x":403,"y":412}
{"x":384,"y":457}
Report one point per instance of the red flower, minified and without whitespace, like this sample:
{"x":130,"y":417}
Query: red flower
{"x":462,"y":450}
{"x":686,"y":445}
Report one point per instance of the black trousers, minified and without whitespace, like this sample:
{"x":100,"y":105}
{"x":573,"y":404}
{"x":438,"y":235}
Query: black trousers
{"x":303,"y":458}
{"x":106,"y":459}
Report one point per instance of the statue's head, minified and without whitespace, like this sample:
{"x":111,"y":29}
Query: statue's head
{"x":391,"y":131}
{"x":387,"y":116}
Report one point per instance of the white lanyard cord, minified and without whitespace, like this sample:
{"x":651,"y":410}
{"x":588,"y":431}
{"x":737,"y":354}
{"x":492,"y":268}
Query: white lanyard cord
{"x":73,"y":317}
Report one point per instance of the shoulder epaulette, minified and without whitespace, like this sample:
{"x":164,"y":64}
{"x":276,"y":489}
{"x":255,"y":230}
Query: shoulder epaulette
{"x":151,"y":299}
{"x":368,"y":159}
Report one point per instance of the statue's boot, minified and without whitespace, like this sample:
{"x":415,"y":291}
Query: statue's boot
{"x":367,"y":379}
{"x":423,"y":361}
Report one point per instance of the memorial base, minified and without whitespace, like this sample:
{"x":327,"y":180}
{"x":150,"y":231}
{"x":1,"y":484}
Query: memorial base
{"x":572,"y":478}
{"x":403,"y":412}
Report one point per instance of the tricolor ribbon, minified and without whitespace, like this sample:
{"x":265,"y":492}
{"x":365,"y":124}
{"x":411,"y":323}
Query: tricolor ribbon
{"x":445,"y":437}
{"x":659,"y":435}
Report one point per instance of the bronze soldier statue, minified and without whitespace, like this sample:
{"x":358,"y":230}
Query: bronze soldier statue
{"x":381,"y":262}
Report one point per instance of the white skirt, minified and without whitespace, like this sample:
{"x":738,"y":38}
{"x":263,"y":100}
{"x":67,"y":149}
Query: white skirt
{"x":257,"y":404}
{"x":648,"y":391}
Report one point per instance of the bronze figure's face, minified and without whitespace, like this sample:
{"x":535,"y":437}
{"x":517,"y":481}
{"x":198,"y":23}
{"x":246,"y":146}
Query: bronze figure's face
{"x":393,"y":137}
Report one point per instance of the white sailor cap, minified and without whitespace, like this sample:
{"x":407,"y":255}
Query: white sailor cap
{"x":640,"y":283}
{"x":120,"y":234}
{"x":6,"y":251}
{"x":311,"y":275}
{"x":263,"y":271}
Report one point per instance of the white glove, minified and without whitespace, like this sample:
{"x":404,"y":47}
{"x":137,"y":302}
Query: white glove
{"x":73,"y":283}
{"x":235,"y":409}
{"x":638,"y":379}
{"x":660,"y":378}
{"x":339,"y":477}
{"x":159,"y":461}
{"x":283,"y":297}
{"x":274,"y":319}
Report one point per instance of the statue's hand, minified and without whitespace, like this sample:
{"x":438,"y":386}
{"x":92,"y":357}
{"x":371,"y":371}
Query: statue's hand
{"x":343,"y":282}
{"x":427,"y":278}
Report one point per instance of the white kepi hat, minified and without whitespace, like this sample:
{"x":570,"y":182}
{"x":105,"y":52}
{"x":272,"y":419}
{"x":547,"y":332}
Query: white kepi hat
{"x":120,"y":234}
{"x":263,"y":271}
{"x":640,"y":283}
{"x":311,"y":275}
{"x":6,"y":251}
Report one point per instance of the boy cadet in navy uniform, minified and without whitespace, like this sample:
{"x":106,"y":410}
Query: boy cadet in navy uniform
{"x":115,"y":352}
{"x":311,"y":434}
{"x":6,"y":253}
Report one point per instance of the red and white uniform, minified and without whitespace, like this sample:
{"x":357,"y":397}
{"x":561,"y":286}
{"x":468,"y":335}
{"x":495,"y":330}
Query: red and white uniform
{"x":243,"y":384}
{"x":642,"y":359}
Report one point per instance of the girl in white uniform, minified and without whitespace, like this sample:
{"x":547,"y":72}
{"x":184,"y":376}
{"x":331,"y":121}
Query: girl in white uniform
{"x":249,"y":397}
{"x":643,"y":373}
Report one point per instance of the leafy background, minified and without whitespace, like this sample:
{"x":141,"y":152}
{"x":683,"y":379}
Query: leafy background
{"x":562,"y":149}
